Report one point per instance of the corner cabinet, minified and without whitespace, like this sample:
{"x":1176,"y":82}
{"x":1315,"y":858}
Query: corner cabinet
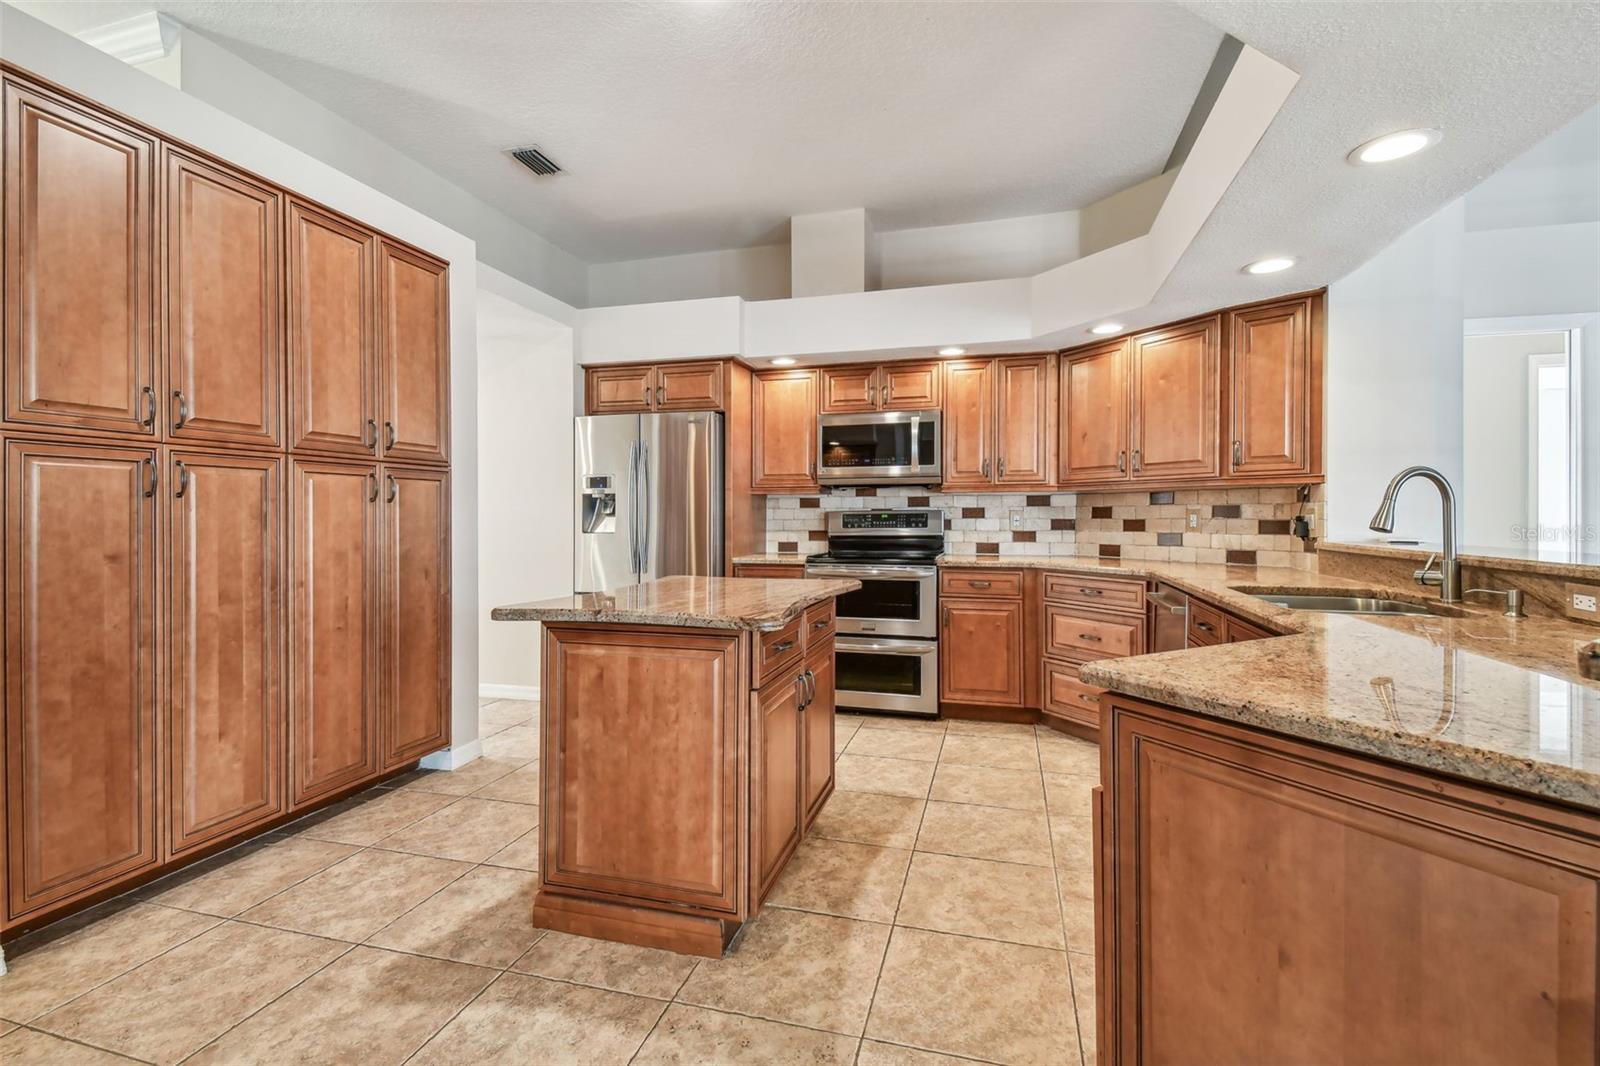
{"x":784,"y":431}
{"x":999,"y":422}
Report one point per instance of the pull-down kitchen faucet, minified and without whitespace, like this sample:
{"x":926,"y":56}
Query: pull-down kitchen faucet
{"x":1448,"y":576}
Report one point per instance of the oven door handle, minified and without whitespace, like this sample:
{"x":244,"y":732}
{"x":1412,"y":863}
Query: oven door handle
{"x":845,"y":644}
{"x":868,"y":571}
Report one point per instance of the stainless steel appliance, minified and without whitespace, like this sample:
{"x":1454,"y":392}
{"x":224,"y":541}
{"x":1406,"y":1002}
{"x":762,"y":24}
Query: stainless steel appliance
{"x":649,"y":498}
{"x":886,"y":653}
{"x":1169,"y":619}
{"x":877,"y":448}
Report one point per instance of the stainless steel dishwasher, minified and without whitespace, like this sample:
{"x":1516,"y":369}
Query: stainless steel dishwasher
{"x":1169,"y":618}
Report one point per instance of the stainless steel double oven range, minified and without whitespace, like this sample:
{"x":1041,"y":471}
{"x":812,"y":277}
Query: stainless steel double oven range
{"x":886,"y":655}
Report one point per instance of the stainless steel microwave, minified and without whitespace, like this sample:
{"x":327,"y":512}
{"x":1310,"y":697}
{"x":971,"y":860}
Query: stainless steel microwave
{"x":878,"y":448}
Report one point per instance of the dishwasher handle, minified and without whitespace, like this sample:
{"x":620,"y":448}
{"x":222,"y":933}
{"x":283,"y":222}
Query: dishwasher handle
{"x":1166,"y":601}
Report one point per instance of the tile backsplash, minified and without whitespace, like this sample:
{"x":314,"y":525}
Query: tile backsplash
{"x":1234,"y":524}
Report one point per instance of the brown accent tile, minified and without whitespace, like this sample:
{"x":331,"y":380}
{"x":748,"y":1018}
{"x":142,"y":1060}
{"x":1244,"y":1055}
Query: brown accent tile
{"x":866,"y":490}
{"x":839,"y":877}
{"x":869,"y":818}
{"x":1169,"y":540}
{"x":1309,"y":545}
{"x":1273,"y":527}
{"x":980,"y":897}
{"x":947,"y":524}
{"x":481,"y":919}
{"x":1039,"y":501}
{"x":1063,"y":523}
{"x":1110,"y":551}
{"x":1099,"y":512}
{"x":692,"y":1034}
{"x":1023,"y":536}
{"x":916,"y":501}
{"x":1133,"y":525}
{"x":985,"y":833}
{"x":816,"y":535}
{"x":788,"y":545}
{"x":988,"y":547}
{"x":370,"y":1006}
{"x":357,"y":897}
{"x":1159,"y":498}
{"x":638,"y":971}
{"x":1241,"y":558}
{"x":528,"y":1019}
{"x":810,"y":503}
{"x":1224,"y":510}
{"x":973,"y":512}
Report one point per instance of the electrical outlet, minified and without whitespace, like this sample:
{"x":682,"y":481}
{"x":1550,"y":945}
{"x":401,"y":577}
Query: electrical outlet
{"x":1191,"y":518}
{"x":1016,"y":518}
{"x":1583,"y":602}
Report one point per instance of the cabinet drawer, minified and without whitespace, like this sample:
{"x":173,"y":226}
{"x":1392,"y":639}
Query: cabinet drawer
{"x":770,"y":570}
{"x":817,"y":625}
{"x":1074,"y":633}
{"x":1237,"y":629}
{"x":778,"y":650}
{"x":1067,"y":697}
{"x":1004,"y":583}
{"x":1205,"y":623}
{"x":1106,"y":594}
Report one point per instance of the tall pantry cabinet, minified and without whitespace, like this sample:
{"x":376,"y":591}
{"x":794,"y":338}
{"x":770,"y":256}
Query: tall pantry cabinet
{"x":226,"y":540}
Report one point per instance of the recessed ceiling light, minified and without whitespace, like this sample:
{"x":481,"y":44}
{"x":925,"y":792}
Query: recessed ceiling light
{"x":1269,"y":266}
{"x":1105,"y":328}
{"x":783,"y":360}
{"x":952,"y":351}
{"x":1392,"y":146}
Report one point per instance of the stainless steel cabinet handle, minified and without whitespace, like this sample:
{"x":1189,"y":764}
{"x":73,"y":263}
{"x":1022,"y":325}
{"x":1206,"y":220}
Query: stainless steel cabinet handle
{"x":800,"y":680}
{"x":1136,"y":463}
{"x":986,"y":468}
{"x":394,"y":488}
{"x":661,"y":395}
{"x":1086,"y":698}
{"x":1238,"y":452}
{"x":947,"y":618}
{"x":1092,"y":592}
{"x":388,"y":435}
{"x":819,"y":624}
{"x":150,"y":476}
{"x":647,"y":395}
{"x":183,"y":479}
{"x":1001,"y":468}
{"x":782,"y":646}
{"x":883,"y":395}
{"x":811,"y":686}
{"x":1207,"y":626}
{"x":149,"y":419}
{"x":1090,"y":637}
{"x":183,"y":408}
{"x":1122,"y":462}
{"x":981,"y":584}
{"x":372,"y":493}
{"x":372,"y":435}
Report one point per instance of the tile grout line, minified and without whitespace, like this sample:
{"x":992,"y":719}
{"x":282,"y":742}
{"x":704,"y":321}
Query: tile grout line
{"x":1061,"y":914}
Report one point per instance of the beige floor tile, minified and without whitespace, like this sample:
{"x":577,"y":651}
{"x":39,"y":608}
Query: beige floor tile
{"x":529,"y":1020}
{"x":521,"y":854}
{"x":176,"y":1003}
{"x":940,"y":992}
{"x":1019,"y":790}
{"x":606,"y":964}
{"x":843,"y":732}
{"x":519,"y":744}
{"x":519,"y":786}
{"x":809,"y":969}
{"x":237,"y":880}
{"x":843,"y":878}
{"x":503,"y":714}
{"x":896,"y":744}
{"x":370,"y":1006}
{"x":370,"y":816}
{"x":1068,"y":796}
{"x":1005,"y":752}
{"x":463,"y":781}
{"x":891,"y":777}
{"x":1077,"y":914}
{"x":486,"y":918}
{"x":890,"y":721}
{"x":24,"y":1047}
{"x":977,"y":897}
{"x":1069,"y":755}
{"x":985,"y":833}
{"x":47,"y":969}
{"x":1072,"y":839}
{"x":965,"y":727}
{"x":877,"y":1053}
{"x":357,"y":897}
{"x":1083,"y":997}
{"x":469,"y":830}
{"x":693,"y":1036}
{"x":870,"y":818}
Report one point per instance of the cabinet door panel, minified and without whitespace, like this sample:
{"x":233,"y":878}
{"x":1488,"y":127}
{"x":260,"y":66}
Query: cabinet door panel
{"x":849,"y":388}
{"x":980,"y":652}
{"x":1269,"y":369}
{"x":819,"y":725}
{"x":909,"y":386}
{"x":81,"y":687}
{"x":1094,"y":414}
{"x":333,"y":367}
{"x":616,"y":390}
{"x":1176,"y":387}
{"x":689,"y":387}
{"x":414,"y":340}
{"x":968,"y":423}
{"x":80,"y":290}
{"x":1024,"y":427}
{"x":224,"y":305}
{"x":777,"y":793}
{"x":784,"y":425}
{"x":225,"y":731}
{"x":416,"y":614}
{"x":333,"y":691}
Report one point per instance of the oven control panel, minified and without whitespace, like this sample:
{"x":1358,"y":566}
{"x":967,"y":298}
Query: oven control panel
{"x":884,"y":520}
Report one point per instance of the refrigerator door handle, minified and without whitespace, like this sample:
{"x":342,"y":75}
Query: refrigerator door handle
{"x":633,"y":509}
{"x":644,"y":516}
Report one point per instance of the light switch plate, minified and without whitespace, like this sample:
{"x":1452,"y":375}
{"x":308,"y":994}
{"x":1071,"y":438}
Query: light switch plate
{"x":1191,"y":518}
{"x":1583,"y":602}
{"x":1016,"y":518}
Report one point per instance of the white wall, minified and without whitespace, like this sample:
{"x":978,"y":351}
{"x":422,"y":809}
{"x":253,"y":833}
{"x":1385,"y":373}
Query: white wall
{"x":974,"y":251}
{"x":1494,"y":489}
{"x":1394,"y":374}
{"x":828,"y":252}
{"x":525,"y":385}
{"x":1532,"y":270}
{"x":760,"y":273}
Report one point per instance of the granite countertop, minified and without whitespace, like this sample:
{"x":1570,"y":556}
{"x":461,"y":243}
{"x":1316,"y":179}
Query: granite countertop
{"x":1579,"y":564}
{"x":772,"y":558}
{"x":1466,"y":692}
{"x":689,"y":602}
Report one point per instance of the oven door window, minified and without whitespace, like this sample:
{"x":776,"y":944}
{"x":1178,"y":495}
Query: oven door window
{"x":877,"y":444}
{"x":878,"y":598}
{"x":869,"y":671}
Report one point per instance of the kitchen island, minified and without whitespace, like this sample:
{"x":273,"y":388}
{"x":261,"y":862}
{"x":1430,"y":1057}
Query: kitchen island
{"x":686,"y":746}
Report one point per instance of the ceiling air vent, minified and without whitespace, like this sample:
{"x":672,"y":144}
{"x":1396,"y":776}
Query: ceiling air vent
{"x":535,"y":160}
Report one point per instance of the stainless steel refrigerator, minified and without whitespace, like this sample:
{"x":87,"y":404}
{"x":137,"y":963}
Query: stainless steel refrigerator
{"x":649,"y":498}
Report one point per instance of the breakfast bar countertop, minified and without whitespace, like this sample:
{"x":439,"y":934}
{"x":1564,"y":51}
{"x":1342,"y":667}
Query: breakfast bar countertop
{"x":693,"y":602}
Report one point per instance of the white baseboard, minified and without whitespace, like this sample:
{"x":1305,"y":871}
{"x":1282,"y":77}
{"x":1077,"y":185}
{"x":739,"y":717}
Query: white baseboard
{"x":453,"y":758}
{"x":508,"y":692}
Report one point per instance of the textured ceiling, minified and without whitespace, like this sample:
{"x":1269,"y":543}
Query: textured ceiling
{"x":690,"y":127}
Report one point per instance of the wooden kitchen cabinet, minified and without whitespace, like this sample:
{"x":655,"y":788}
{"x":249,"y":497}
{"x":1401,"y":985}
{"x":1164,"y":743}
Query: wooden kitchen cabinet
{"x":980,"y":651}
{"x":334,"y":558}
{"x":414,"y":689}
{"x":690,"y":387}
{"x":617,"y":390}
{"x":225,"y":564}
{"x":819,"y":725}
{"x":1094,"y":414}
{"x":224,"y":334}
{"x":778,"y":793}
{"x":641,"y":388}
{"x":784,"y":571}
{"x":81,"y":687}
{"x":81,"y":300}
{"x":1175,"y":387}
{"x":1274,"y":365}
{"x":908,"y":386}
{"x":414,"y":354}
{"x":968,"y":424}
{"x":784,"y":431}
{"x":998,"y":422}
{"x":332,"y":323}
{"x":847,"y":389}
{"x":1086,"y":617}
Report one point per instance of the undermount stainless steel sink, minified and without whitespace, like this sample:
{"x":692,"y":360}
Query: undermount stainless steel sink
{"x":1343,"y":604}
